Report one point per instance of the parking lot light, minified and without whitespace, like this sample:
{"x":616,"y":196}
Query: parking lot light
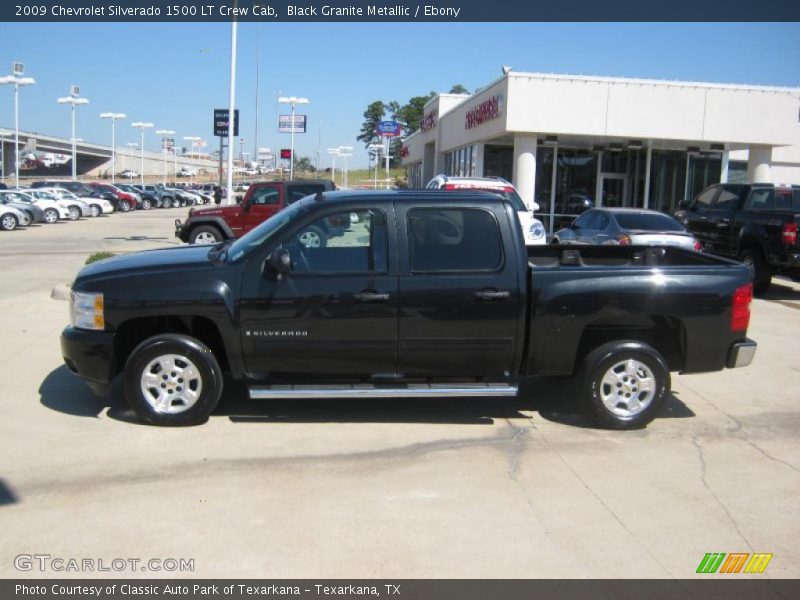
{"x":141,"y":126}
{"x":345,"y":152}
{"x":293,"y":100}
{"x":113,"y":116}
{"x":17,"y":80}
{"x":73,"y":100}
{"x":165,"y":133}
{"x":192,"y":139}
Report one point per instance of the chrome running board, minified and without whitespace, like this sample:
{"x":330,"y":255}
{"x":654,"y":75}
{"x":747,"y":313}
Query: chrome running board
{"x":421,"y":390}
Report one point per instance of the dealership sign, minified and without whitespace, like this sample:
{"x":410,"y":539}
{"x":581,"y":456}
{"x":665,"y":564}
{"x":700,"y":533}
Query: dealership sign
{"x":285,"y":124}
{"x":389,"y":129}
{"x":428,"y":122}
{"x":221,"y":120}
{"x":485,"y":111}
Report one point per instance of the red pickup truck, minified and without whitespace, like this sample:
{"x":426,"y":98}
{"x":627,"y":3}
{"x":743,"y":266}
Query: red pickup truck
{"x":218,"y":223}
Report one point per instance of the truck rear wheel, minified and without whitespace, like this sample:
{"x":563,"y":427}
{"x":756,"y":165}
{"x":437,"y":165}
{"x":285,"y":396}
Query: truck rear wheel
{"x":313,"y":237}
{"x":762,"y":278}
{"x":205,"y":234}
{"x":172,"y":379}
{"x":624,"y":384}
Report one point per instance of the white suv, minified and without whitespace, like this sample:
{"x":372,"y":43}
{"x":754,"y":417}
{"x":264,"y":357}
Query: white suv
{"x":532,"y":228}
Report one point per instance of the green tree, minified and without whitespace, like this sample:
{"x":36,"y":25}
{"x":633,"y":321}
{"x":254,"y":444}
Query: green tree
{"x":459,"y":89}
{"x":372,"y":117}
{"x":303,"y":164}
{"x":410,"y":114}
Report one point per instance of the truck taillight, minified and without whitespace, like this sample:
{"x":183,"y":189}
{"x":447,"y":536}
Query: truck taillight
{"x":449,"y":186}
{"x":789,"y":234}
{"x":698,"y":247}
{"x":740,"y":312}
{"x":624,"y":240}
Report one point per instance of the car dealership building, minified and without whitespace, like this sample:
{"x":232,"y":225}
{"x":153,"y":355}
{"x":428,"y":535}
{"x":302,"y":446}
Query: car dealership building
{"x":569,"y":141}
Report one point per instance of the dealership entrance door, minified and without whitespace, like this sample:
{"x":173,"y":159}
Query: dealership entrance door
{"x":498,"y":161}
{"x":613,"y":190}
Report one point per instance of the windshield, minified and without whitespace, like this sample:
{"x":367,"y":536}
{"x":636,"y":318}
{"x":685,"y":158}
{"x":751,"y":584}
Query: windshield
{"x":62,"y":193}
{"x":264,"y":232}
{"x":42,"y":195}
{"x":15,"y":197}
{"x":648,"y":222}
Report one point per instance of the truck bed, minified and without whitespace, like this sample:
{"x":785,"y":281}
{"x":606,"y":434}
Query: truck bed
{"x":681,"y":297}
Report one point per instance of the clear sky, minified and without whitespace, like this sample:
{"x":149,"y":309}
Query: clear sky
{"x":175,"y":74}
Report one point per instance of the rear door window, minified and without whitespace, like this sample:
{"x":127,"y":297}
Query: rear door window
{"x":265,"y":195}
{"x":298,"y":192}
{"x":727,"y":200}
{"x":761,"y":199}
{"x":457,"y":239}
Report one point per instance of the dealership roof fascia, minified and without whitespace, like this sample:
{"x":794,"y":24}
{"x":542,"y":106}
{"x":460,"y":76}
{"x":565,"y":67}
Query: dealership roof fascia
{"x":663,"y":113}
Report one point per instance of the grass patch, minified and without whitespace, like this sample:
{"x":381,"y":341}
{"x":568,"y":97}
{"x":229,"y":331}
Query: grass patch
{"x":99,"y":256}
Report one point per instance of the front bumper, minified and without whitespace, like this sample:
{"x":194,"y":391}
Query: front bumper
{"x":90,"y":355}
{"x":741,"y":354}
{"x":179,"y":230}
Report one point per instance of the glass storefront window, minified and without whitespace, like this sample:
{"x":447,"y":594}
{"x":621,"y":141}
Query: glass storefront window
{"x":414,"y":174}
{"x":576,"y":180}
{"x":704,"y":170}
{"x":667,"y":180}
{"x":460,"y":162}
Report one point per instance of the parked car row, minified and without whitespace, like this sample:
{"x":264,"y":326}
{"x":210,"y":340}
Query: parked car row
{"x":50,"y":201}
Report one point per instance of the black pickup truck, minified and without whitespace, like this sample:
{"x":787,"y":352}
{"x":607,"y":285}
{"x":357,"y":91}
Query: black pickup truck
{"x":755,"y":223}
{"x":425,"y":294}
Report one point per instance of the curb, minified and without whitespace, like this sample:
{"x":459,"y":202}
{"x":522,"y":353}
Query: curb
{"x":61,"y":291}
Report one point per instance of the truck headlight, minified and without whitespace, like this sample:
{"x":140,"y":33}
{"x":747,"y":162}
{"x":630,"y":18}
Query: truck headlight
{"x":86,"y":310}
{"x":537,"y":230}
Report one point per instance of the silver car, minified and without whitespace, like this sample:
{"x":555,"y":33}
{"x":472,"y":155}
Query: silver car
{"x":626,"y":227}
{"x":18,"y":201}
{"x":11,"y":218}
{"x":77,"y":208}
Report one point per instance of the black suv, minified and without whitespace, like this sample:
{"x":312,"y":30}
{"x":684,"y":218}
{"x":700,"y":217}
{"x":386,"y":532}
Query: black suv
{"x":756,"y":223}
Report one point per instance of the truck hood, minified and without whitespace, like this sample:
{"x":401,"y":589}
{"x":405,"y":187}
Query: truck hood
{"x":181,"y":258}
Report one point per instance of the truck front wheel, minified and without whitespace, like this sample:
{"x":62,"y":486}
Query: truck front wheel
{"x":624,"y":384}
{"x":172,"y":379}
{"x":205,"y":234}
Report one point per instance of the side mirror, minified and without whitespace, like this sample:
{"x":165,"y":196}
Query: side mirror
{"x":574,"y":225}
{"x":280,"y":261}
{"x":535,"y":206}
{"x":684,"y":205}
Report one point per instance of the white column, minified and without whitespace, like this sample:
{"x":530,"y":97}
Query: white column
{"x":598,"y":190}
{"x":525,"y":167}
{"x":648,"y":160}
{"x":758,"y":163}
{"x":723,"y":172}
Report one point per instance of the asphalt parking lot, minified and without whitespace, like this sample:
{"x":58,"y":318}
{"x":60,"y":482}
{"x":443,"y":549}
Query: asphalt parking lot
{"x":509,"y":488}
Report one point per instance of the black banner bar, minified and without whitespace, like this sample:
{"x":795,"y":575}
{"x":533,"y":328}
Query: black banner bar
{"x":713,"y":587}
{"x":271,"y":11}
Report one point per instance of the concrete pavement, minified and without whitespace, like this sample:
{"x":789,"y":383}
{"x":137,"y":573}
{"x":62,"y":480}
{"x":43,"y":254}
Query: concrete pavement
{"x":398,"y":488}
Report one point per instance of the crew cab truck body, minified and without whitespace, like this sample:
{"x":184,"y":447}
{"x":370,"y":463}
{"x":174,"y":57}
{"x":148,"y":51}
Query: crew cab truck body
{"x":755,"y":223}
{"x":425,"y":294}
{"x":262,"y":200}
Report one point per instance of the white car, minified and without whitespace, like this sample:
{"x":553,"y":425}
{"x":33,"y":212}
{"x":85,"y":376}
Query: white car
{"x":532,"y":228}
{"x":94,"y":206}
{"x":52,"y":211}
{"x":11,"y":218}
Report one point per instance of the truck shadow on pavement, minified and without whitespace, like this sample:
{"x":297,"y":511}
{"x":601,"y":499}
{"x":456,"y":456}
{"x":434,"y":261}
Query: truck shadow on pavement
{"x":555,"y":399}
{"x":781,"y":290}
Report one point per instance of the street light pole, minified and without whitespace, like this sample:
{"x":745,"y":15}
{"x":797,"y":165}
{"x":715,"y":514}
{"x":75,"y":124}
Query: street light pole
{"x":192,"y":139}
{"x":334,"y":152}
{"x":232,"y":111}
{"x":73,"y":100}
{"x":165,"y":133}
{"x":17,"y":79}
{"x":345,"y":152}
{"x":141,"y":127}
{"x":131,"y":146}
{"x":113,"y":116}
{"x":293,"y":100}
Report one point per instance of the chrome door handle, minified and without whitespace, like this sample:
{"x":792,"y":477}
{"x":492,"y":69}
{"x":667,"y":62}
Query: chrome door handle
{"x":368,"y":296}
{"x":489,"y":295}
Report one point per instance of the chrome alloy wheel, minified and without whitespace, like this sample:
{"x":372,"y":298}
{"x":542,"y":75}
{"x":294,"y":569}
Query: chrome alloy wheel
{"x":171,"y":384}
{"x":310,"y":239}
{"x":74,"y":213}
{"x":9,"y":222}
{"x":628,"y":388}
{"x":205,"y":237}
{"x":51,"y":216}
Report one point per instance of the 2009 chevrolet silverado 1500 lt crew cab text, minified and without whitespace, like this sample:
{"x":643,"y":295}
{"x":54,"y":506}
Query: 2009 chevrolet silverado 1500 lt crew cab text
{"x":424,"y":294}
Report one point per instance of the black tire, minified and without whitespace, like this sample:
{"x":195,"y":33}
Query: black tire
{"x":146,"y":204}
{"x":166,"y":202}
{"x":8,"y":222}
{"x":190,"y":351}
{"x":312,"y":237}
{"x":74,"y":213}
{"x":205,"y":231}
{"x":599,"y":396}
{"x":124,"y":206}
{"x":50,"y":215}
{"x":762,"y":277}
